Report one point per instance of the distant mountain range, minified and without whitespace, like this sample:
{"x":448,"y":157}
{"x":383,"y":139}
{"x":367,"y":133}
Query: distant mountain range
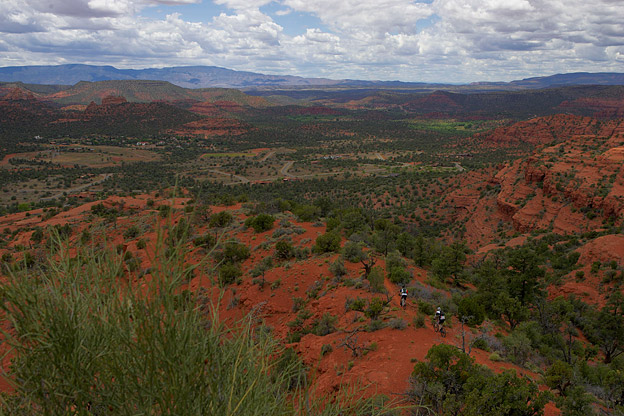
{"x":187,"y":77}
{"x":215,"y":77}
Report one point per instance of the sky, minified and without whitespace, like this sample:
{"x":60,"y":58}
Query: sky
{"x":453,"y":41}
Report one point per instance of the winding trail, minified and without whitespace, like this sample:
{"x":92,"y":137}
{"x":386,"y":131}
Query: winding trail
{"x":241,"y":179}
{"x":284,"y":170}
{"x":268,"y":155}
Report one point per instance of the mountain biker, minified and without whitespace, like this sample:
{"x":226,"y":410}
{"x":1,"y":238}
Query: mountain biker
{"x":403,"y":294}
{"x":439,"y":317}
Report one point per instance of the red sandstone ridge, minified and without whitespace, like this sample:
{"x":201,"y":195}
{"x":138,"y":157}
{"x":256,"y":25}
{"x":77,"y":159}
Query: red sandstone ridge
{"x":544,"y":130}
{"x":18,"y":94}
{"x":571,"y":184}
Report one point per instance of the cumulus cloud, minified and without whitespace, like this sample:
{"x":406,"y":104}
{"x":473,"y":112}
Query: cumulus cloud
{"x":443,"y":40}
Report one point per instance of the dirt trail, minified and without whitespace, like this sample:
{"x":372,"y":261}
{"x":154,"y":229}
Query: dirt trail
{"x":286,"y":168}
{"x":241,"y":179}
{"x":268,"y":155}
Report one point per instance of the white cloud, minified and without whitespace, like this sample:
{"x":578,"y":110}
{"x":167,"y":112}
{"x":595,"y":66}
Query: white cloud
{"x":359,"y":17}
{"x":447,"y":40}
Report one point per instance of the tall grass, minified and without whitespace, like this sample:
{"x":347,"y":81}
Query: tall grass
{"x":84,"y":340}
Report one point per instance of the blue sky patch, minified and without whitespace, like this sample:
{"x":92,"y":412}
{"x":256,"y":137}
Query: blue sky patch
{"x":294,"y":23}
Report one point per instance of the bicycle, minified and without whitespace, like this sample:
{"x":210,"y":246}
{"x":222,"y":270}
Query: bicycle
{"x":439,"y":328}
{"x":403,"y":301}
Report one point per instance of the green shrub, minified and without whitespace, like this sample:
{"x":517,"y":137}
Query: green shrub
{"x":375,"y":307}
{"x":595,"y":267}
{"x":234,"y":252}
{"x":481,"y":344}
{"x":298,"y":304}
{"x":205,"y":241}
{"x":221,"y":219}
{"x":425,"y":307}
{"x":228,"y":273}
{"x":338,"y":268}
{"x":357,"y":304}
{"x":324,"y":326}
{"x":399,"y":275}
{"x":397,"y":323}
{"x":131,"y":232}
{"x":375,"y":325}
{"x":393,"y":260}
{"x":284,"y":250}
{"x":419,"y":321}
{"x":472,"y":308}
{"x":306,"y":212}
{"x":260,"y":223}
{"x":352,"y":252}
{"x":376,"y":279}
{"x":327,"y":243}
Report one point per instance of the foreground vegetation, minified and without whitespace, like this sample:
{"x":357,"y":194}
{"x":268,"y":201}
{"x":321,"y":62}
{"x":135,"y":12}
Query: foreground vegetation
{"x":97,"y":344}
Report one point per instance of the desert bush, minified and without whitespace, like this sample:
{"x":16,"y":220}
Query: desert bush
{"x":425,"y":307}
{"x":228,"y":273}
{"x":399,"y":275}
{"x":284,"y":250}
{"x":260,"y":223}
{"x":471,"y":307}
{"x":221,"y":219}
{"x":394,"y":259}
{"x":233,"y":252}
{"x":352,"y":252}
{"x":327,"y":243}
{"x":419,"y":321}
{"x":205,"y":241}
{"x":326,"y":349}
{"x":376,"y":279}
{"x":324,"y":326}
{"x":375,"y":307}
{"x":131,"y":232}
{"x":397,"y":323}
{"x":298,"y":304}
{"x":338,"y":268}
{"x":357,"y":304}
{"x":375,"y":325}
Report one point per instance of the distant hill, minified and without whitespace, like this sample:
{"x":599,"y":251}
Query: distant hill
{"x":577,"y":78}
{"x":132,"y":90}
{"x":187,"y":77}
{"x":216,"y":77}
{"x":603,"y":101}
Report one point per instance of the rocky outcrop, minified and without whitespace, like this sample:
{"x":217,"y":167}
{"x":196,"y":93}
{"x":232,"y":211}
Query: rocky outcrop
{"x":572,"y":183}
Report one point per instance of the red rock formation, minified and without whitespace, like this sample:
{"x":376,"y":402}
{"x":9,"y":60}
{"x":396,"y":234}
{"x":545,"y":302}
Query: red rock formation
{"x":572,"y":183}
{"x":18,"y":94}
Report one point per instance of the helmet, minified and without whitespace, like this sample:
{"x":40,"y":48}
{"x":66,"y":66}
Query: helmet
{"x":439,"y":309}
